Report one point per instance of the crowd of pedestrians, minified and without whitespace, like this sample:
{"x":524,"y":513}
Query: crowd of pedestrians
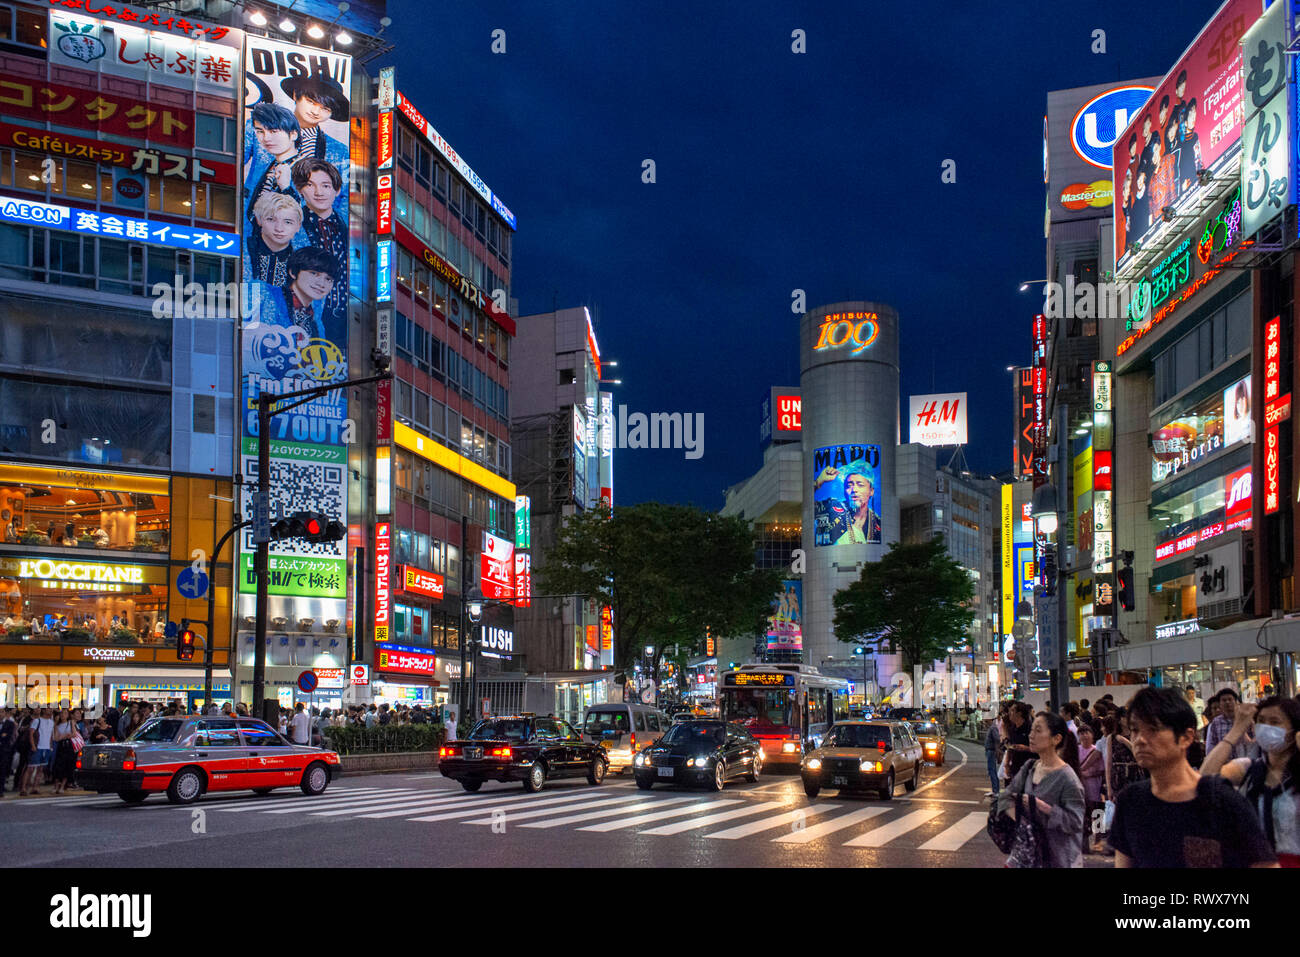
{"x":1168,"y":781}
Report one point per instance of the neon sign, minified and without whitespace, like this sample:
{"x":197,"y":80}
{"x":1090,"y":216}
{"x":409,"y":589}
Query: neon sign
{"x":840,"y":328}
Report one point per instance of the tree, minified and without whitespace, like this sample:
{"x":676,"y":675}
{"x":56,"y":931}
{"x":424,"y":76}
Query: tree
{"x":916,"y":600}
{"x":668,"y":573}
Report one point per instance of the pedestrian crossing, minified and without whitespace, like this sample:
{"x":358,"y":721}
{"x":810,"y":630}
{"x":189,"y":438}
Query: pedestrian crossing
{"x":939,"y":826}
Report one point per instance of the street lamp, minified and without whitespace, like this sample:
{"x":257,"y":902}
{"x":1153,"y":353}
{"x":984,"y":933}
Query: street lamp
{"x":1024,"y":286}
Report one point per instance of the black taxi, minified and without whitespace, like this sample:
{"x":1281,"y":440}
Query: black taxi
{"x":523,"y":748}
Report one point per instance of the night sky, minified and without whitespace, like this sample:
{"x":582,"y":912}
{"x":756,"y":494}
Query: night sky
{"x":776,"y":171}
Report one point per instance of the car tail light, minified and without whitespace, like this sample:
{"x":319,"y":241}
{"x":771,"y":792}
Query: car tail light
{"x":128,"y":763}
{"x":634,"y":742}
{"x":442,"y":752}
{"x":501,"y":752}
{"x":78,"y":762}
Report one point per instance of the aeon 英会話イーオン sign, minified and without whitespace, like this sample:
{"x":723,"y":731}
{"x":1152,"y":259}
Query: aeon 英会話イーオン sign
{"x":855,"y":329}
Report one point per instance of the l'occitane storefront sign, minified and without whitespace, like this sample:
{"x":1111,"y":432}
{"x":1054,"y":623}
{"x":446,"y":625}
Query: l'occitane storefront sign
{"x":97,"y":575}
{"x":84,"y":478}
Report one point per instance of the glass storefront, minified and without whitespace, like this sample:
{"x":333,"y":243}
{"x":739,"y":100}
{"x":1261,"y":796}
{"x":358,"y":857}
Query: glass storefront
{"x":52,"y":597}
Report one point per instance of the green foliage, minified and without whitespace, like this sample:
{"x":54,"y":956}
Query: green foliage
{"x":669,"y":572}
{"x":124,"y":636}
{"x":383,"y":738}
{"x":916,"y":600}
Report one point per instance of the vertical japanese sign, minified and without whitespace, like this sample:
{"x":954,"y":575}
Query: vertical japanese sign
{"x":387,"y":101}
{"x":1008,"y":562}
{"x":1039,"y":373}
{"x":523,"y":580}
{"x":1266,"y":184}
{"x":606,"y":449}
{"x":1103,"y":485}
{"x":294,"y":216}
{"x":523,"y":521}
{"x":1023,"y":447}
{"x":1272,"y":388}
{"x":383,"y":580}
{"x":497,"y":568}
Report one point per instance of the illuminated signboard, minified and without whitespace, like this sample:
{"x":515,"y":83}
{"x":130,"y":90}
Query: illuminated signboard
{"x":330,"y":679}
{"x":593,"y":350}
{"x":383,"y":479}
{"x":1202,"y":431}
{"x":419,"y":582}
{"x":523,"y":521}
{"x":383,"y":581}
{"x":854,"y":330}
{"x":385,"y":142}
{"x":384,"y":271}
{"x":523,"y":580}
{"x":1024,"y":444}
{"x":406,"y":661}
{"x":1272,"y":472}
{"x":1098,"y":194}
{"x":1237,"y":489}
{"x":789,"y":414}
{"x":1266,"y":141}
{"x":1272,"y":390}
{"x":65,"y":573}
{"x":452,"y":157}
{"x":938,"y":419}
{"x":1192,"y":121}
{"x":384,"y":213}
{"x":89,"y":223}
{"x":497,"y":567}
{"x":1008,"y":561}
{"x":1101,"y":471}
{"x":742,"y":679}
{"x":451,"y":275}
{"x":500,"y":640}
{"x":1097,"y":124}
{"x":846,"y":495}
{"x":128,"y":158}
{"x":606,"y":628}
{"x":785,"y":623}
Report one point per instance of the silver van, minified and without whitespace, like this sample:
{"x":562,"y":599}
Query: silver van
{"x":623,"y":729}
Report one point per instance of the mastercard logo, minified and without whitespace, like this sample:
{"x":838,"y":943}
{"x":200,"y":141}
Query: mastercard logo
{"x":1082,"y":195}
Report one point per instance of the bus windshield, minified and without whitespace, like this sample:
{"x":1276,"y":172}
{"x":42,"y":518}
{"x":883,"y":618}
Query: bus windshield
{"x":756,"y":709}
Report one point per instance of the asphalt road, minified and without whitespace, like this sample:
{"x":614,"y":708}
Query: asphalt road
{"x":426,"y":820}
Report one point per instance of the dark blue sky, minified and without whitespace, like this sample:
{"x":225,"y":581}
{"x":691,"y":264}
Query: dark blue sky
{"x":776,"y":171}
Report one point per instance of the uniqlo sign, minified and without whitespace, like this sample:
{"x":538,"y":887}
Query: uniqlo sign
{"x":383,"y":581}
{"x":788,"y":414}
{"x":1101,"y":471}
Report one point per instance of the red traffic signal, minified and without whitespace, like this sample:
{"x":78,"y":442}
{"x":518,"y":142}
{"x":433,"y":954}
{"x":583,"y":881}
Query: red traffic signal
{"x":312,"y":527}
{"x":185,"y":642}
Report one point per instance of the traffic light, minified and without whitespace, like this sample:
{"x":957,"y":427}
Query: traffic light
{"x":1126,"y":589}
{"x":185,"y":642}
{"x":312,"y":527}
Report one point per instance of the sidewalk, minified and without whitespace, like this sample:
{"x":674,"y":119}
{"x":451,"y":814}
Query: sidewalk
{"x":46,"y":792}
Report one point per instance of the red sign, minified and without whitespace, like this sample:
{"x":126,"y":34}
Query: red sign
{"x":497,"y":568}
{"x":330,"y":678}
{"x":384,"y":407}
{"x":606,"y":628}
{"x":1272,"y":359}
{"x":140,"y":18}
{"x":1101,"y":469}
{"x":523,"y":580}
{"x":385,"y":139}
{"x":1186,"y":543}
{"x":1279,"y":410}
{"x":1237,"y":492}
{"x":1272,"y":472}
{"x":1164,"y":551}
{"x":405,"y":662}
{"x":789,"y":413}
{"x":449,"y":274}
{"x":383,"y":580}
{"x":95,"y":109}
{"x":1213,"y":530}
{"x":134,"y":158}
{"x":419,"y":582}
{"x":384,"y":217}
{"x":593,"y":642}
{"x":361,"y":674}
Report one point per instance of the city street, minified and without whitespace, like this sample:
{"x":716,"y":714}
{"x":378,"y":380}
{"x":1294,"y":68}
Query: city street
{"x":424,"y":819}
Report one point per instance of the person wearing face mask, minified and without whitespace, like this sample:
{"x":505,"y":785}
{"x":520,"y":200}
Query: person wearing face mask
{"x":1229,"y":706}
{"x":1271,"y":783}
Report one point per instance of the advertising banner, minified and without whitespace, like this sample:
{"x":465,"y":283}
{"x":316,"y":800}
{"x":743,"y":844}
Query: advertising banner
{"x":95,"y":110}
{"x":606,"y":450}
{"x":523,"y":521}
{"x":296,"y":171}
{"x":785,"y":624}
{"x":846,"y":495}
{"x":1024,"y":444}
{"x":938,"y":419}
{"x":1007,"y":513}
{"x":417,"y":581}
{"x":90,"y":223}
{"x":523,"y":583}
{"x":1192,"y":121}
{"x":125,"y":45}
{"x":400,"y":659}
{"x":1266,"y":184}
{"x":136,"y":159}
{"x":497,"y":568}
{"x":383,"y":580}
{"x":1219,"y":579}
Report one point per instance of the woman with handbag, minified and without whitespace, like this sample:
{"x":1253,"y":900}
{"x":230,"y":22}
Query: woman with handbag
{"x":65,"y":751}
{"x":1046,"y":799}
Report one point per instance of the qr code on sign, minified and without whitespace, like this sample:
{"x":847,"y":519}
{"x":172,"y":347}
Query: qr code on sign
{"x":298,"y":487}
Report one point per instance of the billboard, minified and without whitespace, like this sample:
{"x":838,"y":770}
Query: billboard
{"x":1202,"y":431}
{"x":383,"y":580}
{"x":1193,"y":121}
{"x":938,"y":419}
{"x":1024,"y":443}
{"x":497,"y":568}
{"x":1082,"y":125}
{"x":1267,"y":184}
{"x":294,"y":217}
{"x":785,"y":624}
{"x":846,"y":495}
{"x":523,"y":521}
{"x":781,"y":416}
{"x":606,"y":450}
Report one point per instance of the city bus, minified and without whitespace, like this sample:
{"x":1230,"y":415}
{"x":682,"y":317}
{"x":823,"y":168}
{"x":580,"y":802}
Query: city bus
{"x":788,"y":708}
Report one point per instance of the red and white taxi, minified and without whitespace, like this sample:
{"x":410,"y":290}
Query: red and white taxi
{"x":187,"y":756}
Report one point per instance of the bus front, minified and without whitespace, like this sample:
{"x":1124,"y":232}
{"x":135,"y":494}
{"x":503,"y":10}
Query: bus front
{"x":765,"y":703}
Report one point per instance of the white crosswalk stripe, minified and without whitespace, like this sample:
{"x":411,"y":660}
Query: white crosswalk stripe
{"x":513,"y":815}
{"x":656,"y":816}
{"x":323,"y":802}
{"x":610,"y":812}
{"x":679,"y":826}
{"x":479,"y":806}
{"x":770,"y":823}
{"x":297,"y":801}
{"x":480,"y":801}
{"x":958,"y":834}
{"x":413,"y":802}
{"x":807,"y":834}
{"x":880,"y":836}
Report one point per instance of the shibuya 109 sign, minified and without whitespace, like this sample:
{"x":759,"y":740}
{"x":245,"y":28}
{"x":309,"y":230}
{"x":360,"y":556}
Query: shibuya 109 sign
{"x":853,"y":330}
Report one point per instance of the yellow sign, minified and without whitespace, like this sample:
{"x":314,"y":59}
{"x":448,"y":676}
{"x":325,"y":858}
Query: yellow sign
{"x":1008,"y":562}
{"x":440,"y":455}
{"x":96,"y":575}
{"x":767,"y":680}
{"x":83,"y":478}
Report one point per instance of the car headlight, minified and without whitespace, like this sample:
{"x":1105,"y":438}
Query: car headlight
{"x":639,"y":760}
{"x":789,"y":747}
{"x":865,"y":765}
{"x":814,"y":764}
